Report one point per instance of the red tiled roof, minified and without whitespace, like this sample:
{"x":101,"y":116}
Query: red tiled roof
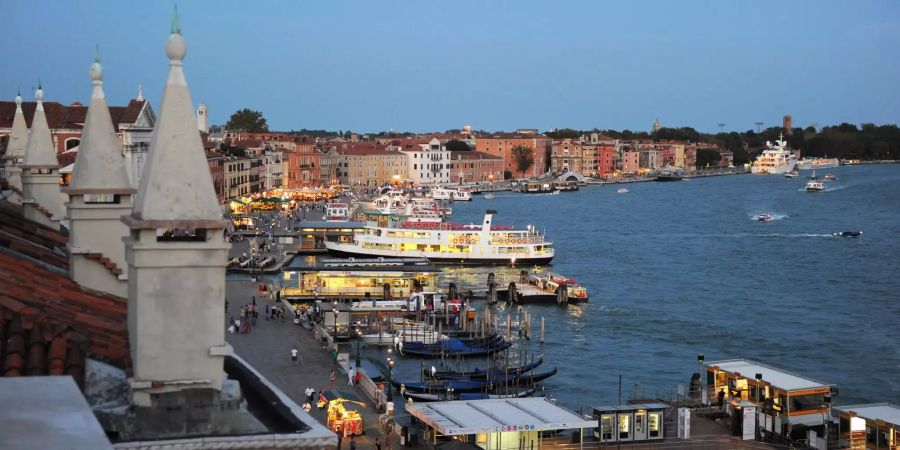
{"x":472,"y":155}
{"x":59,"y":321}
{"x":32,"y":239}
{"x":64,"y":159}
{"x":505,"y":135}
{"x":68,"y":117}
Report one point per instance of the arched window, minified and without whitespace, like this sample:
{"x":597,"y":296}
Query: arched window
{"x":72,"y":143}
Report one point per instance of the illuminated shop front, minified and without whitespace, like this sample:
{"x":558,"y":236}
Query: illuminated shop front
{"x":360,"y":278}
{"x":497,"y":424}
{"x":785,"y":405}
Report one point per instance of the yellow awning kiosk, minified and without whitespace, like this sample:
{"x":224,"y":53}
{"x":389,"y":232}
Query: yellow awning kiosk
{"x":873,"y":425}
{"x":787,"y":405}
{"x":495,"y":424}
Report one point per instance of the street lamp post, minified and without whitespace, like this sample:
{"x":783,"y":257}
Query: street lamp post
{"x":700,"y":359}
{"x":335,"y":311}
{"x":358,"y":339}
{"x":390,"y":386}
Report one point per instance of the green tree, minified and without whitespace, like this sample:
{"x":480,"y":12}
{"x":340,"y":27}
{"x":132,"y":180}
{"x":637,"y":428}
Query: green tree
{"x":523,"y":158}
{"x":247,"y":120}
{"x":455,"y":145}
{"x":707,"y":156}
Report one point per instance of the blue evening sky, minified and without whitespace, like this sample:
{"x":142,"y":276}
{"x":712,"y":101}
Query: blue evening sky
{"x":425,"y":65}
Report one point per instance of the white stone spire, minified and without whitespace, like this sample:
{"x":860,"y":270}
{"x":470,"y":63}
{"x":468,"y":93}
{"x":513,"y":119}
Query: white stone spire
{"x":99,"y":164}
{"x":140,"y":96}
{"x":176,"y":183}
{"x":40,"y":151}
{"x":41,"y":198}
{"x":176,"y":254}
{"x":99,"y":195}
{"x":18,"y":137}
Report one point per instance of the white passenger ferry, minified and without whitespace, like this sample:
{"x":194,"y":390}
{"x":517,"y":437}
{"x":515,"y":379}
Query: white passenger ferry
{"x":483,"y":244}
{"x":451,"y":194}
{"x":776,"y":159}
{"x":817,"y":163}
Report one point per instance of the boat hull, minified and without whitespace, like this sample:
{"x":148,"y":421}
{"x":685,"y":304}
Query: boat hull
{"x":780,"y":170}
{"x":669,"y":178}
{"x":353,"y":251}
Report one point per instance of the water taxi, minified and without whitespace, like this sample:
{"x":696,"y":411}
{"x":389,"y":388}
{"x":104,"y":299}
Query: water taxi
{"x":791,"y":174}
{"x":483,"y":244}
{"x":337,"y":212}
{"x":814,"y":184}
{"x":776,"y":159}
{"x":764,"y":217}
{"x":830,"y":176}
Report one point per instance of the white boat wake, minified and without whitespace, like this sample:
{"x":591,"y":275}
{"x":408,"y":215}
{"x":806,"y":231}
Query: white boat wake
{"x":774,"y":216}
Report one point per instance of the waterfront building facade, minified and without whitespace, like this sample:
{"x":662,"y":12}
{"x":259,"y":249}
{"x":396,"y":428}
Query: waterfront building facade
{"x":426,"y":163}
{"x":568,"y":155}
{"x":502,"y":144}
{"x":631,"y":161}
{"x":475,"y":167}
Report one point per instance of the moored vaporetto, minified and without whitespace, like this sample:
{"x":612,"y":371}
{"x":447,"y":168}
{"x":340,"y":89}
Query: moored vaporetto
{"x":446,"y":242}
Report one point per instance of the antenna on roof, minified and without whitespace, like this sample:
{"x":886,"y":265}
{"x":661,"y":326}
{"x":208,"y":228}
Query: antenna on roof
{"x":759,"y":127}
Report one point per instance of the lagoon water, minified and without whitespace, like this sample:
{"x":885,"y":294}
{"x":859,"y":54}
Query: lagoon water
{"x":676,"y":269}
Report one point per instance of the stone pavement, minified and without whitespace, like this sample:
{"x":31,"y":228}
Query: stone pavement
{"x":267,"y":348}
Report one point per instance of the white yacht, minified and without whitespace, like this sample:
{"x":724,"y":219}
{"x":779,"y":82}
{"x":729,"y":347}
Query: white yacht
{"x":817,"y":163}
{"x":776,"y":159}
{"x":482,"y":244}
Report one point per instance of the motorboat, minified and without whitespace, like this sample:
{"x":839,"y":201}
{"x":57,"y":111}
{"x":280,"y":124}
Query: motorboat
{"x":547,"y":289}
{"x":337,"y":212}
{"x":478,"y":244}
{"x":830,"y":176}
{"x":764,"y":217}
{"x":791,"y":174}
{"x":623,"y":191}
{"x":814,"y":184}
{"x":852,"y":234}
{"x":670,"y":174}
{"x":775,"y":159}
{"x":489,"y":196}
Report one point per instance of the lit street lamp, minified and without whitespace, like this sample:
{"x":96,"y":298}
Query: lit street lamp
{"x":358,"y":339}
{"x":335,"y":311}
{"x":390,"y":386}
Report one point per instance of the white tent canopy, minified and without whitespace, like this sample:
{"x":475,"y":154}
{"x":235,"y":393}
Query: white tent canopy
{"x":465,"y":417}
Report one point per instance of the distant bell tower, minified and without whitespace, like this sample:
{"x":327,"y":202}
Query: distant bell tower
{"x":203,"y":118}
{"x":176,"y":253}
{"x":656,"y":126}
{"x":788,"y":125}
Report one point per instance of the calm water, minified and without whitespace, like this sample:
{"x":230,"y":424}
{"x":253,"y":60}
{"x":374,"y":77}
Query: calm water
{"x":677,"y":269}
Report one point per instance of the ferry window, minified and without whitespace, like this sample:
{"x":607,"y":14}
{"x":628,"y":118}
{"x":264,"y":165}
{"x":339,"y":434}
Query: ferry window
{"x":710,"y":378}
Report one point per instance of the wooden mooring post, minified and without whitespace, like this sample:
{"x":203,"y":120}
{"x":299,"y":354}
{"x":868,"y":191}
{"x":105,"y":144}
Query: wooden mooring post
{"x":542,"y":329}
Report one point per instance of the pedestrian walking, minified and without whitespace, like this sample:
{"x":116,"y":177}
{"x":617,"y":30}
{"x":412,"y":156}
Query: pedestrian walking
{"x":309,"y":393}
{"x":377,"y":444}
{"x":267,"y":311}
{"x":350,"y":375}
{"x":294,"y":356}
{"x":340,"y":435}
{"x":352,"y":442}
{"x":333,"y":378}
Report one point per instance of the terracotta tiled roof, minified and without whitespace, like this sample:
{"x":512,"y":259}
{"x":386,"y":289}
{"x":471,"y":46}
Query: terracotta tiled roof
{"x":32,"y":239}
{"x":126,"y":114}
{"x":65,"y":159}
{"x":68,"y":117}
{"x":472,"y":155}
{"x":49,"y":323}
{"x":504,"y":135}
